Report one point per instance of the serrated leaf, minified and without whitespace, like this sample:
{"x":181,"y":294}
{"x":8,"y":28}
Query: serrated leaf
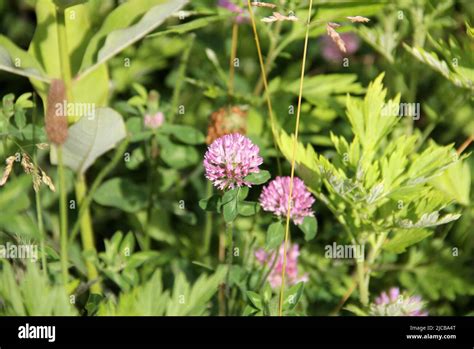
{"x":405,"y":238}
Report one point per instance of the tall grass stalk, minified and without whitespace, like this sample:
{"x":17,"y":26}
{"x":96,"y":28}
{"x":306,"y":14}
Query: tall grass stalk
{"x":293,"y":158}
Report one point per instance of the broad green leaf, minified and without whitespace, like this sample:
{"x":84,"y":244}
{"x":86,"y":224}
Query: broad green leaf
{"x":256,"y":299}
{"x":90,"y":138}
{"x":247,"y":208}
{"x":309,"y":227}
{"x":179,"y":156}
{"x":68,"y":3}
{"x":230,"y":210}
{"x":275,"y":235}
{"x":191,"y":25}
{"x":44,"y":47}
{"x":14,"y":60}
{"x":258,"y":178}
{"x":119,"y":33}
{"x":293,"y":296}
{"x":123,"y":194}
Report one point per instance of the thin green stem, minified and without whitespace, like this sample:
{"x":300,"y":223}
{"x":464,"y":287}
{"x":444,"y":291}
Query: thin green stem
{"x":206,"y":243}
{"x":66,"y":75}
{"x":63,"y":216}
{"x":87,"y":234}
{"x":151,"y":194}
{"x":97,"y":182}
{"x":39,"y":208}
{"x":293,"y":162}
{"x":230,"y":257}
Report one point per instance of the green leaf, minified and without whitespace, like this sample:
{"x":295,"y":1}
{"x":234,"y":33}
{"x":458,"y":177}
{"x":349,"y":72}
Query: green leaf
{"x":455,"y":183}
{"x":320,"y":87}
{"x":293,"y":296}
{"x":255,"y":299}
{"x":119,"y":33}
{"x":368,"y":123}
{"x":275,"y":235}
{"x":258,"y":178}
{"x":355,"y":310}
{"x":212,"y":204}
{"x":191,"y":25}
{"x":405,"y":238}
{"x":179,"y":156}
{"x":247,"y":208}
{"x":44,"y":47}
{"x":123,"y":194}
{"x":17,"y":61}
{"x":230,"y":210}
{"x":309,"y":227}
{"x":68,"y":3}
{"x":90,"y":138}
{"x":184,"y":134}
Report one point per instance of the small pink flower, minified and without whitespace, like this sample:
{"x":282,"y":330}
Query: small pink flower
{"x":154,"y":121}
{"x":274,"y":198}
{"x":394,"y":303}
{"x":229,"y":5}
{"x":229,"y":159}
{"x":291,"y":270}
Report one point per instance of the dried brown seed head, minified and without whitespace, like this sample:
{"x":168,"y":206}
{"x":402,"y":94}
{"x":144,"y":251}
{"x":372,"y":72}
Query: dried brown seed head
{"x":358,"y":19}
{"x":263,"y":4}
{"x":47,"y":180}
{"x":8,"y":169}
{"x":334,"y":35}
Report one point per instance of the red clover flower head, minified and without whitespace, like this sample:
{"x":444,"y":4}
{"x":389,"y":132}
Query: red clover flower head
{"x":274,"y":198}
{"x":229,"y":159}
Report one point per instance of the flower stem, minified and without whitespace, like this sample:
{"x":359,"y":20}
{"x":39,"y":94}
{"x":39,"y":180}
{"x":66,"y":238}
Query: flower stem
{"x":39,"y":208}
{"x":87,"y":233}
{"x":363,"y":285}
{"x":63,"y":216}
{"x":208,"y":227}
{"x":66,"y":75}
{"x":230,"y":255}
{"x":95,"y":185}
{"x":293,"y":158}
